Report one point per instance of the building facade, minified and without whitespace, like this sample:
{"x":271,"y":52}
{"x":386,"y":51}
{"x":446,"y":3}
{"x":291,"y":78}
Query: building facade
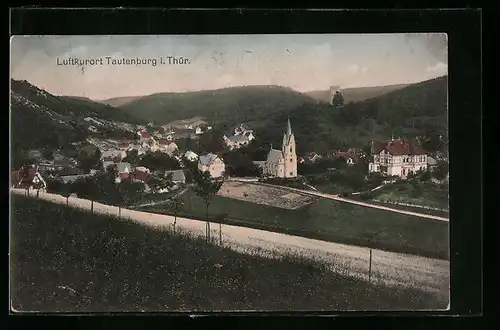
{"x":213,"y":164}
{"x":283,"y":163}
{"x":397,"y":158}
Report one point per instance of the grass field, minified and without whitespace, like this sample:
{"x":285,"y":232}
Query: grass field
{"x":65,"y":259}
{"x":330,"y":221}
{"x":419,"y":193}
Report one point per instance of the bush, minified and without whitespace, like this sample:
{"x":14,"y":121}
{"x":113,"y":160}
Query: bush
{"x":345,"y":194}
{"x":366,"y":195}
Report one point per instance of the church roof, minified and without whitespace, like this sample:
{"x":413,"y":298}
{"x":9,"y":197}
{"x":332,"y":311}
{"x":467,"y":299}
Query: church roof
{"x":274,"y":156}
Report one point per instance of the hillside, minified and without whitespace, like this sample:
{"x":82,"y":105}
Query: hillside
{"x":119,"y":101}
{"x":42,"y":120}
{"x":418,"y":110}
{"x":228,"y":105}
{"x":68,"y":260}
{"x":355,"y":94}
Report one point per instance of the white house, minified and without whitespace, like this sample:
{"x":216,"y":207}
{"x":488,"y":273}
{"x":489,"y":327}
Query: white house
{"x":167,"y":146}
{"x":178,"y":176}
{"x":113,"y":154}
{"x":213,"y":164}
{"x":397,"y":158}
{"x":283,"y":163}
{"x":236,"y":141}
{"x":191,"y":156}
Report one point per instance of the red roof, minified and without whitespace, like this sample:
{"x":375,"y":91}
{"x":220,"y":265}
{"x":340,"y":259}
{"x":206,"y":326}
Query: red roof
{"x":340,"y":154}
{"x":123,"y":145}
{"x":397,"y":148}
{"x":123,"y":175}
{"x":145,"y":135}
{"x":164,"y":142}
{"x":140,"y":175}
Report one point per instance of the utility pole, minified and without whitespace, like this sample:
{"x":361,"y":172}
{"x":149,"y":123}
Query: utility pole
{"x":370,"y":267}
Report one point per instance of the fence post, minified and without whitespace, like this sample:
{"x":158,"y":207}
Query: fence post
{"x":370,"y":267}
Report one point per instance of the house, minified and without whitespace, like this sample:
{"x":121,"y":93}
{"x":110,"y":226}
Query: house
{"x":167,"y":146}
{"x":283,"y":163}
{"x":197,"y":123}
{"x":191,"y":156}
{"x":28,"y":177}
{"x":431,"y":162}
{"x":113,"y":154}
{"x":178,"y":176}
{"x":397,"y":158}
{"x":213,"y":164}
{"x":107,"y":163}
{"x":300,"y":160}
{"x":142,"y":169}
{"x":93,"y":129}
{"x":139,"y":176}
{"x":94,"y":121}
{"x":140,"y":149}
{"x":123,"y":146}
{"x":144,"y":136}
{"x":236,"y":141}
{"x":313,"y":157}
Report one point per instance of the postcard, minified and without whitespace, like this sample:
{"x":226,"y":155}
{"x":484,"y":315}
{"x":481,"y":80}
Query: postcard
{"x":222,"y":173}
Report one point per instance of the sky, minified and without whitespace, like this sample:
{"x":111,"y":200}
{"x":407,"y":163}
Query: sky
{"x":300,"y":61}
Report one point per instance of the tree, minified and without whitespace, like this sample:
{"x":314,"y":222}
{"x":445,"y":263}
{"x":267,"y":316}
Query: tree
{"x":206,"y":187}
{"x":441,"y":170}
{"x":158,"y":183}
{"x":174,"y":206}
{"x":129,"y":191}
{"x":66,"y":191}
{"x":48,"y":154}
{"x":159,"y":161}
{"x":132,"y":158}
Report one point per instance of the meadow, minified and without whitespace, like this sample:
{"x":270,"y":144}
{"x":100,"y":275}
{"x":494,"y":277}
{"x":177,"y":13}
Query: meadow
{"x":68,"y":260}
{"x":327,"y":220}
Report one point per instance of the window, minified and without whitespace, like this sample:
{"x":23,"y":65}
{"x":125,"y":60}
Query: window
{"x":291,"y":173}
{"x":291,"y":160}
{"x":290,"y":149}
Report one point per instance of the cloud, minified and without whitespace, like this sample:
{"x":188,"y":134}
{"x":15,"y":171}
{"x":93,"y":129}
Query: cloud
{"x":440,"y":67}
{"x":435,"y":43}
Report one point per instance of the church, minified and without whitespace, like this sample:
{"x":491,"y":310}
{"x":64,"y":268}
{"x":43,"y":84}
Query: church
{"x":282,"y":163}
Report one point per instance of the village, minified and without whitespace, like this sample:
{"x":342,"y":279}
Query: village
{"x":154,"y":161}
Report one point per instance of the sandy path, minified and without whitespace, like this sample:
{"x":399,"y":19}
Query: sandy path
{"x":387,"y":267}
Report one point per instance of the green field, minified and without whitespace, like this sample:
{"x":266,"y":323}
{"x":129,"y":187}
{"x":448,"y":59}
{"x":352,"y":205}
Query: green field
{"x":419,"y":193}
{"x":331,"y":221}
{"x":68,"y":260}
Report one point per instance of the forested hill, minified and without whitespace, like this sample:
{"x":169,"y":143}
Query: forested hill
{"x":42,"y":120}
{"x":356,"y":94}
{"x":227,"y":105}
{"x":418,"y":110}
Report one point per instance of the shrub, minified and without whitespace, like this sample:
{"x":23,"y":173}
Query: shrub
{"x":366,"y":195}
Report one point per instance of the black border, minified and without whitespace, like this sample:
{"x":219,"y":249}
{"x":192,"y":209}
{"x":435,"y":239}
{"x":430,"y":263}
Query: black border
{"x":465,"y":90}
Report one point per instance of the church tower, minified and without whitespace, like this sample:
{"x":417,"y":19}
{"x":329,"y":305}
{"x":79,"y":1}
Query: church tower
{"x":289,"y":152}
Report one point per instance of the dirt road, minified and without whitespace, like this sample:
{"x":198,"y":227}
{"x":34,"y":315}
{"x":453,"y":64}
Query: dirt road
{"x":389,"y":268}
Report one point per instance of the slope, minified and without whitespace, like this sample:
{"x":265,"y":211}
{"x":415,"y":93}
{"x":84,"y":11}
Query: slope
{"x":227,"y":105}
{"x":42,"y":120}
{"x":119,"y":101}
{"x":356,"y":94}
{"x":418,"y":110}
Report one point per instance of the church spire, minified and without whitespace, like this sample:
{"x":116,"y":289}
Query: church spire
{"x":288,"y":129}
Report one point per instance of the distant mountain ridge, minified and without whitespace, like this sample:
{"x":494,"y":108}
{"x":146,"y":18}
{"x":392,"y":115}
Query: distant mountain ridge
{"x":224,"y":105}
{"x":119,"y":101}
{"x":417,"y":110}
{"x":356,"y":94}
